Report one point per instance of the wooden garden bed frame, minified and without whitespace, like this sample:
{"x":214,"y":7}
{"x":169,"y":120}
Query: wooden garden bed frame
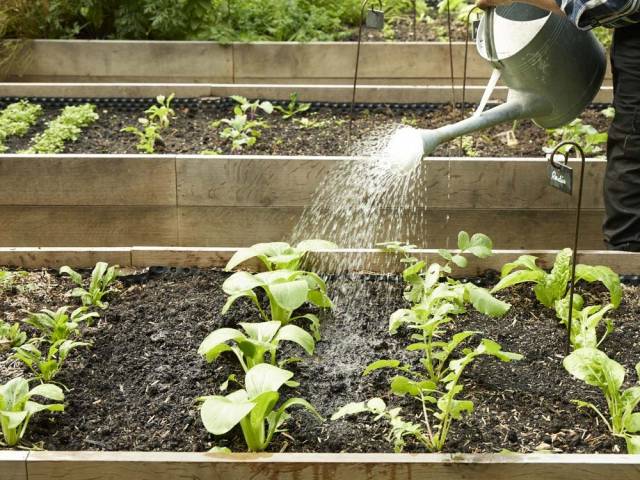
{"x":232,"y":201}
{"x":23,"y":465}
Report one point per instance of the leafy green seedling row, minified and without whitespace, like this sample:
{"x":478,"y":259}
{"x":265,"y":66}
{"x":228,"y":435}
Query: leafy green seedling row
{"x":16,"y":119}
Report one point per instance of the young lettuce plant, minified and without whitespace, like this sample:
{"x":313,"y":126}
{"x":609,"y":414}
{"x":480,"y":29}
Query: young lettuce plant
{"x":158,"y":117}
{"x":279,"y":255}
{"x":594,"y":367}
{"x":586,"y":320}
{"x":253,"y":407}
{"x":551,"y":287}
{"x":102,"y":278}
{"x":245,"y":107}
{"x":17,"y":408}
{"x":59,"y":325}
{"x":440,"y":405}
{"x":293,"y":107}
{"x":287,"y":290}
{"x":46,"y":367}
{"x":11,"y":336}
{"x":257,"y":340}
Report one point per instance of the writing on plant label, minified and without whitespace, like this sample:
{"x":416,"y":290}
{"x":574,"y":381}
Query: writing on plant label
{"x":561,"y":177}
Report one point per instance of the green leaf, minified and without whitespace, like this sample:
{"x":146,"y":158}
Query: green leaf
{"x":489,"y":347}
{"x":290,"y":295}
{"x":459,"y":260}
{"x":319,"y":299}
{"x":519,"y":276}
{"x":350,"y":409}
{"x":484,"y":302}
{"x":47,"y":390}
{"x":455,"y":408}
{"x":75,"y":276}
{"x":240,"y":283}
{"x":594,"y":368}
{"x":463,"y":240}
{"x":216,"y":342}
{"x":297,"y":335}
{"x":632,"y":423}
{"x":401,"y":385}
{"x":606,"y":276}
{"x":446,"y":254}
{"x":263,"y":331}
{"x":301,"y":403}
{"x":378,"y":364}
{"x":528,"y":262}
{"x":220,"y":450}
{"x":376,"y":405}
{"x":480,"y":245}
{"x":265,"y":378}
{"x":633,"y":444}
{"x":14,"y":419}
{"x":221,"y":414}
{"x":314,"y":324}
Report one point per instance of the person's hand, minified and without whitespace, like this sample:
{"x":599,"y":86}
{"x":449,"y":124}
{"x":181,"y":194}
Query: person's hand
{"x":484,"y":4}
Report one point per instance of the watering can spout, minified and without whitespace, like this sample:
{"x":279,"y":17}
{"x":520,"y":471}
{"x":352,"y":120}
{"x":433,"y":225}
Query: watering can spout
{"x":517,"y":107}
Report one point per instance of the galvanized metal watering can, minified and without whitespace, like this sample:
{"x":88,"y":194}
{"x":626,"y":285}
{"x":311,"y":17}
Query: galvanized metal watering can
{"x":552,"y":69}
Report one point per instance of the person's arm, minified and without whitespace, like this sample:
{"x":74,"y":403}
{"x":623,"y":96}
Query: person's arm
{"x":550,"y":5}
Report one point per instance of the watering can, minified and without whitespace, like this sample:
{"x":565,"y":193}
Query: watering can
{"x":552,"y":69}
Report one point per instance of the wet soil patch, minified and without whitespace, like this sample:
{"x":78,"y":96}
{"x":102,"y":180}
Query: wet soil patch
{"x":135,"y":389}
{"x":190,"y":132}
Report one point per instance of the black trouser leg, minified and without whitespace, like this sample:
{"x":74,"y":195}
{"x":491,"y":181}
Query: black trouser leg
{"x":622,"y":180}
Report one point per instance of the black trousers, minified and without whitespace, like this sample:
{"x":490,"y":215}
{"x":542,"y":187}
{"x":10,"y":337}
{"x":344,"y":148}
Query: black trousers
{"x":622,"y":180}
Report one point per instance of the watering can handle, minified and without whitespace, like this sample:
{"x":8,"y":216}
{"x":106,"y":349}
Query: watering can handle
{"x":489,"y":39}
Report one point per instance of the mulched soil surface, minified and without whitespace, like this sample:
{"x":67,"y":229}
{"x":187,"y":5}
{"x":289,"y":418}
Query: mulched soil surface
{"x":135,"y":388}
{"x":190,"y":132}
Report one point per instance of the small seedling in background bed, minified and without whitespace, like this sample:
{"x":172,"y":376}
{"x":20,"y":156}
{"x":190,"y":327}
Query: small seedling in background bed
{"x":8,"y":278}
{"x":102,"y":278}
{"x":59,"y":325}
{"x":595,"y":368}
{"x":11,"y":336}
{"x":253,"y":407}
{"x":245,"y":107}
{"x":45,"y":367}
{"x":158,"y":117}
{"x":585,"y":135}
{"x":16,"y":119}
{"x":310,"y":123}
{"x":240,"y":131}
{"x":257,"y":340}
{"x":66,"y":127}
{"x":293,"y":107}
{"x":17,"y":408}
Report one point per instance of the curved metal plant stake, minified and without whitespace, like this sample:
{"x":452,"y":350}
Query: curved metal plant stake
{"x":375,"y":20}
{"x":561,"y":177}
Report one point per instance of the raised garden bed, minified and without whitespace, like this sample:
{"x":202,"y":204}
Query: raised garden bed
{"x":519,"y":406}
{"x":190,"y":132}
{"x":126,"y":200}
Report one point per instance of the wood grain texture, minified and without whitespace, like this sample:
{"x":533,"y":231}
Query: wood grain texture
{"x":55,"y":257}
{"x":487,"y":183}
{"x":301,"y":466}
{"x":13,"y":465}
{"x":513,"y":229}
{"x":63,"y":226}
{"x":88,"y":180}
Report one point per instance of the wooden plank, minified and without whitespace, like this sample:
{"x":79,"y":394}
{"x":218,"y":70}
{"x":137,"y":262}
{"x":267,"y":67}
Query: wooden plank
{"x":52,"y":257}
{"x":306,"y":92}
{"x":344,"y":466}
{"x":513,"y":229}
{"x":488,"y":183}
{"x":60,"y":226}
{"x":13,"y":465}
{"x":122,"y":60}
{"x":374,"y":260}
{"x":87,"y":180}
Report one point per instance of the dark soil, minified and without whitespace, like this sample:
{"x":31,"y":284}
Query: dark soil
{"x":135,"y":389}
{"x":190,"y":132}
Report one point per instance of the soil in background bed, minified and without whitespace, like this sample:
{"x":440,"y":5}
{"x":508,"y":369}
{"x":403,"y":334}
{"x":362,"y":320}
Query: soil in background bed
{"x":190,"y":133}
{"x":135,"y":389}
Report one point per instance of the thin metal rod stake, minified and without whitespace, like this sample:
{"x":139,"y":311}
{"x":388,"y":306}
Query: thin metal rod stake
{"x":574,"y":259}
{"x":415,"y":15}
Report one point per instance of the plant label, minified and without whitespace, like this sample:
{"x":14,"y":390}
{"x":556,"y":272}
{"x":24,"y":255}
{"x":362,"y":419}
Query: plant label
{"x":561,"y":177}
{"x":375,"y":19}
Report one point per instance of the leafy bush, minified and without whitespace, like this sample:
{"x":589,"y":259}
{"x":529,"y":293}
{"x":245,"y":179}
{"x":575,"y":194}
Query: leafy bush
{"x":66,"y":127}
{"x":16,"y":119}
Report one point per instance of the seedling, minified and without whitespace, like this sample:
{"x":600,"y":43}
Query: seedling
{"x":66,"y":127}
{"x":293,"y":107}
{"x":11,"y":336}
{"x":17,"y":408}
{"x":158,"y":117}
{"x":59,"y":325}
{"x":279,"y":255}
{"x":16,"y":119}
{"x":257,"y":340}
{"x":310,"y":123}
{"x":585,"y":135}
{"x":45,"y":367}
{"x":240,"y":131}
{"x":595,"y":368}
{"x":253,"y":407}
{"x":102,"y":278}
{"x":585,"y":323}
{"x":245,"y":107}
{"x":287,"y":290}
